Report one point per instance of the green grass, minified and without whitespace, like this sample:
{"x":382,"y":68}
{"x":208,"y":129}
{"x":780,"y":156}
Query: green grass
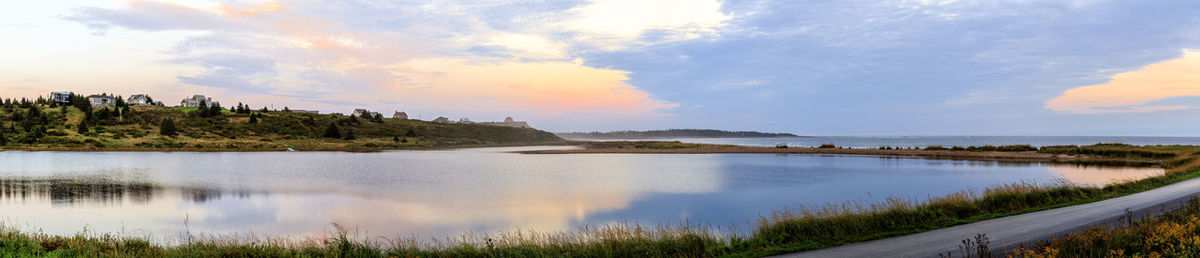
{"x":782,"y":231}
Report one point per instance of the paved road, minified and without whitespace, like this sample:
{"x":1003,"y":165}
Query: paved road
{"x":1011,"y":232}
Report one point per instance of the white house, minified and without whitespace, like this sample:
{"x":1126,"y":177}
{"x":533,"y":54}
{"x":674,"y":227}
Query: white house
{"x":195,"y":101}
{"x":139,"y":100}
{"x":100,"y":101}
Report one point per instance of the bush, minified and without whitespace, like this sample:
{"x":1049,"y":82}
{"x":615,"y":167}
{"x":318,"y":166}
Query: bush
{"x":167,"y":128}
{"x":827,"y":146}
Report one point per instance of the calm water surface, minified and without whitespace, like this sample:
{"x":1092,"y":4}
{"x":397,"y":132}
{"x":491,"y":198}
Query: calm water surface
{"x":922,"y":141}
{"x":435,"y":194}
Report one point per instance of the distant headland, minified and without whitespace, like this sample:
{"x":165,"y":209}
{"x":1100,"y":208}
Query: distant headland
{"x":670,"y":133}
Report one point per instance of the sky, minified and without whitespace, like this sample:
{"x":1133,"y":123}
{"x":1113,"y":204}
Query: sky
{"x":850,"y":67}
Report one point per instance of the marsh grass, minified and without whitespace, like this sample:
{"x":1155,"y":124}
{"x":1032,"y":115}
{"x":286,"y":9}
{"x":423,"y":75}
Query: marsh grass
{"x":1174,"y":234}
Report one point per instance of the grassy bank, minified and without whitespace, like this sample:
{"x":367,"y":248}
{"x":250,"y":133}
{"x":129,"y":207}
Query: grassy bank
{"x":1174,"y":234}
{"x":147,"y":128}
{"x":780,"y":232}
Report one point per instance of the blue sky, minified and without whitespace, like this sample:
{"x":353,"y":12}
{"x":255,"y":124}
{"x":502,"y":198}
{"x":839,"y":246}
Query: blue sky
{"x":808,"y":67}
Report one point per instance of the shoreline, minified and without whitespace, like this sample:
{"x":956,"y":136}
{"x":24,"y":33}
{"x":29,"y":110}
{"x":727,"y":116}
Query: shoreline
{"x":343,"y":148}
{"x":1027,"y":156}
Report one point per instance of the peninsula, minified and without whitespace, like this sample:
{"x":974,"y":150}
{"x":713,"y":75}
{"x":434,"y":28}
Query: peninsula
{"x":670,"y":133}
{"x":105,"y":123}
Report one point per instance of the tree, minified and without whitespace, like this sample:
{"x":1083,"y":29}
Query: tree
{"x":253,"y":119}
{"x":34,"y":134}
{"x":83,"y":128}
{"x":378,"y":118}
{"x":332,"y":131}
{"x":410,"y":133}
{"x":202,"y":110}
{"x":167,"y":128}
{"x":214,"y":110}
{"x":349,"y":135}
{"x":3,"y":140}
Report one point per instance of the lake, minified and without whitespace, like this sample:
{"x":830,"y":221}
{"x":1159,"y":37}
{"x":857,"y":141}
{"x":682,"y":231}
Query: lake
{"x":947,"y":141}
{"x":441,"y":193}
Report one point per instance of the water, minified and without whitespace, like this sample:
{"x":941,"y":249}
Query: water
{"x":435,"y":194}
{"x":922,"y":141}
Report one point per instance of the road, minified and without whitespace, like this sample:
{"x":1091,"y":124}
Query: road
{"x":1012,"y":232}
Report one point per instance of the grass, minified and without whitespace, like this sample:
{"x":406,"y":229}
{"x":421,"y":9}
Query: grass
{"x":1174,"y":234}
{"x":783,"y":231}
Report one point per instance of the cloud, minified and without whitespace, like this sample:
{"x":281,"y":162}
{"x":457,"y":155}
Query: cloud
{"x":405,"y":54}
{"x":549,"y":88}
{"x":1126,"y":91}
{"x":615,"y":24}
{"x":739,"y":85}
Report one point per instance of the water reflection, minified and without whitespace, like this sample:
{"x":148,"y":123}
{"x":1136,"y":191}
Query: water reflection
{"x":445,"y":193}
{"x":1102,"y":175}
{"x":71,"y":191}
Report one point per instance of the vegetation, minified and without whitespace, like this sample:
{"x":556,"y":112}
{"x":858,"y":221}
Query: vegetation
{"x":672,"y":133}
{"x":43,"y":125}
{"x":1174,"y":234}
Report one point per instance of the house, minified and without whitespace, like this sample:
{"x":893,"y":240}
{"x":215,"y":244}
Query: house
{"x":100,"y":101}
{"x":508,"y":122}
{"x":465,"y":121}
{"x":400,"y":115}
{"x":365,"y":114}
{"x":441,"y":119}
{"x":139,"y":100}
{"x":61,"y":97}
{"x":360,"y":112}
{"x":195,"y":101}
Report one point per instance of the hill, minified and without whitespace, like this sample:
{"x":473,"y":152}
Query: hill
{"x":671,"y":133}
{"x":30,"y":126}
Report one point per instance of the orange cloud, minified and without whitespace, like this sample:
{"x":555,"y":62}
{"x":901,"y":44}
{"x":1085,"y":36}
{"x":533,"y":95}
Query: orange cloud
{"x":1172,"y":78}
{"x":550,"y":87}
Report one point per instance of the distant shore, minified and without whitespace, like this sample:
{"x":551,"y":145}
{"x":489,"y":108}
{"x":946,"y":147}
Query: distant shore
{"x":693,"y":148}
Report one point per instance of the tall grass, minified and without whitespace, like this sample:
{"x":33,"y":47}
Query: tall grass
{"x":1174,"y":234}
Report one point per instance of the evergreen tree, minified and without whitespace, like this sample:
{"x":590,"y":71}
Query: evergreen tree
{"x":3,"y":139}
{"x":202,"y":110}
{"x":253,"y":119}
{"x":83,"y":128}
{"x":34,"y":134}
{"x":349,"y":135}
{"x":332,"y":131}
{"x":167,"y":128}
{"x":214,"y":110}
